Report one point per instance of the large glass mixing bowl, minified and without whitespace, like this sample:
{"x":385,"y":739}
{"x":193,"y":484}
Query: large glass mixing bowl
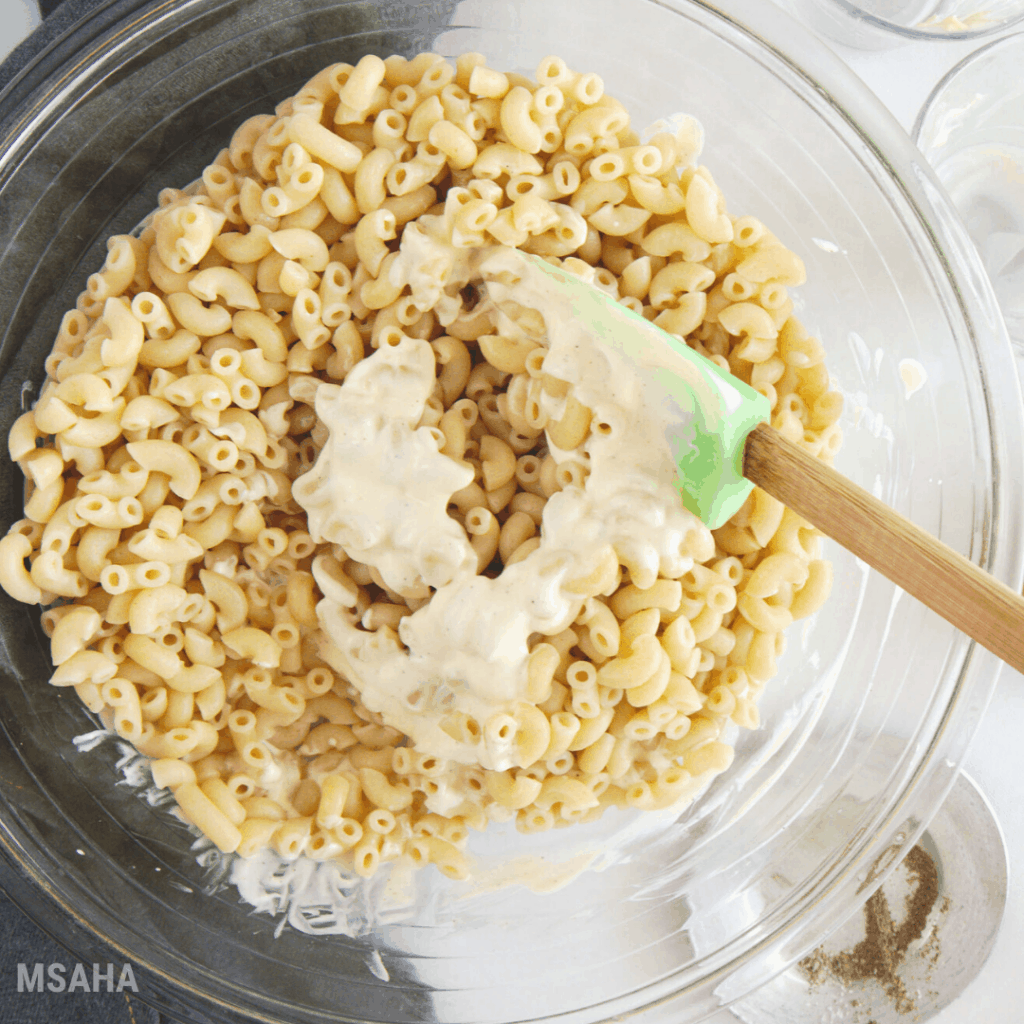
{"x":876,"y":698}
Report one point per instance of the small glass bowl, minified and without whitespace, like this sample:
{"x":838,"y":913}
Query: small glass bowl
{"x":883,"y":24}
{"x":971,"y":129}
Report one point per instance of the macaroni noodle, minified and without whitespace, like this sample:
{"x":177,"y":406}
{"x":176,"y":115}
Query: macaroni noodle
{"x":356,"y":533}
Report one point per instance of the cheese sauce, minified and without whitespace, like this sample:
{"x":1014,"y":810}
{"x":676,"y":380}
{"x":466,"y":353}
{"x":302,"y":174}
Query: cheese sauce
{"x":381,"y":488}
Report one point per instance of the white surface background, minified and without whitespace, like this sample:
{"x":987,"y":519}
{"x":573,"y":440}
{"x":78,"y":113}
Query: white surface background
{"x":903,"y":78}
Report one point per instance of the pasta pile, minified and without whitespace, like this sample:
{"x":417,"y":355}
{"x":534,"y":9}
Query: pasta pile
{"x":160,"y":525}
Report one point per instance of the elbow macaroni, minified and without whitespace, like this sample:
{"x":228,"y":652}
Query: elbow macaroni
{"x":182,"y":393}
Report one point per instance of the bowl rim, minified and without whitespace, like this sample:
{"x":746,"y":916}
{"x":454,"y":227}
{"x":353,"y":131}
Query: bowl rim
{"x":1003,"y":554}
{"x":911,"y":33}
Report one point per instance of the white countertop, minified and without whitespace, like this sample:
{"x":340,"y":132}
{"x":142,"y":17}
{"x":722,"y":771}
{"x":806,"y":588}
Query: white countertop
{"x":903,"y":79}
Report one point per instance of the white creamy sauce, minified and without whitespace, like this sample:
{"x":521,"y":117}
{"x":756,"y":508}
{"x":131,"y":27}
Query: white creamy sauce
{"x":376,"y":966}
{"x":913,"y":375}
{"x":91,"y":740}
{"x":531,"y":872}
{"x":381,"y":487}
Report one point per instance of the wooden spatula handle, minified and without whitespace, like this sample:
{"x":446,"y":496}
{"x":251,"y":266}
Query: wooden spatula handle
{"x":975,"y":602}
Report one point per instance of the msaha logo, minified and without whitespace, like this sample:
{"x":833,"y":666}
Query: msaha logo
{"x":102,"y":974}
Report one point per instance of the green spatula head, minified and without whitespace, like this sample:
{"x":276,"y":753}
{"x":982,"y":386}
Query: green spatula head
{"x":709,"y":411}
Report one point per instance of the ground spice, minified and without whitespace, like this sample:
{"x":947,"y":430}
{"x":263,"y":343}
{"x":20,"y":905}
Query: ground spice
{"x":884,"y":946}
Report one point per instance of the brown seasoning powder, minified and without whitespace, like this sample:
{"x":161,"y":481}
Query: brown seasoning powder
{"x":884,"y":946}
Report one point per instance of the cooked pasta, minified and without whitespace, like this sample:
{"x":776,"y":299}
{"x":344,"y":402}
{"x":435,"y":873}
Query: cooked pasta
{"x":191,"y":590}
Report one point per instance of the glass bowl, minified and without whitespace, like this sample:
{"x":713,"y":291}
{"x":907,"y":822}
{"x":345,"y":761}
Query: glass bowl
{"x":883,"y":24}
{"x":971,"y":130}
{"x":876,"y":698}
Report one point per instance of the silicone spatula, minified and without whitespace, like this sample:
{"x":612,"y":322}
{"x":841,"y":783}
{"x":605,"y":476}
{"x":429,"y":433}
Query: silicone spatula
{"x":724,"y":446}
